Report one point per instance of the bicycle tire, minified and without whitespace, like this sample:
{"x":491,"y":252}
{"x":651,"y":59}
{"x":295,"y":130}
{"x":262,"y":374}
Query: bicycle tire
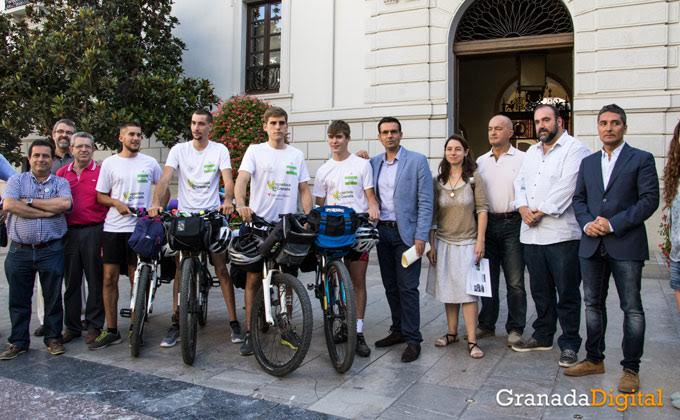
{"x":339,"y":320}
{"x":187,"y":311}
{"x":281,"y":348}
{"x":203,"y":292}
{"x":138,"y":316}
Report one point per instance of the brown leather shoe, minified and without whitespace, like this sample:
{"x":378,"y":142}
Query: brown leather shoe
{"x":12,"y":352}
{"x":630,"y":382}
{"x":68,"y":336}
{"x":91,"y":334}
{"x":55,"y":348}
{"x":411,"y":353}
{"x":585,"y":367}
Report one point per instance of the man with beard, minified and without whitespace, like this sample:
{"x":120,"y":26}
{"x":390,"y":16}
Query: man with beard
{"x":550,"y":234}
{"x":124,"y":182}
{"x":61,"y":134}
{"x":200,"y":165}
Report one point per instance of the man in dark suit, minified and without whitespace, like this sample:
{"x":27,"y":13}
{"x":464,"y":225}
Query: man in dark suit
{"x":617,"y":189}
{"x":403,"y":184}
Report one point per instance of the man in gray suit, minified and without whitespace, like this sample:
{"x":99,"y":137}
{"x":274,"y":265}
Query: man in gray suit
{"x":403,"y":184}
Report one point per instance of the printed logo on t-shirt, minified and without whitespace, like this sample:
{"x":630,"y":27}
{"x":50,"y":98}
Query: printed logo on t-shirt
{"x":133,"y":197}
{"x":142,"y":178}
{"x":195,"y":185}
{"x":351,"y":180}
{"x":209,"y":168}
{"x":291,"y":169}
{"x":278,"y":189}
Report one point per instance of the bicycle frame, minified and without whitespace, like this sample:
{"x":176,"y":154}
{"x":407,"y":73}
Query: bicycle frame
{"x":267,"y":274}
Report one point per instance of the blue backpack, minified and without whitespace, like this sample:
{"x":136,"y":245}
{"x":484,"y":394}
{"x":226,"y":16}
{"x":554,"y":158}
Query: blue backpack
{"x":335,"y":226}
{"x":148,"y":237}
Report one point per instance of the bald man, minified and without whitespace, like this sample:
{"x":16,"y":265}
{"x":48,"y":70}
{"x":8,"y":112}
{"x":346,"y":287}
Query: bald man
{"x":498,"y":169}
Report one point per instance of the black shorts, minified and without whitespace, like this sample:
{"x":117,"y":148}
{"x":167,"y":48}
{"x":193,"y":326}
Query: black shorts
{"x":356,"y":256}
{"x":115,"y":249}
{"x":258,"y":266}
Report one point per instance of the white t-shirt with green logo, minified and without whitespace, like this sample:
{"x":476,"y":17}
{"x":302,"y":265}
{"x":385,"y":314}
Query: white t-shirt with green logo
{"x":128,"y":180}
{"x":343,"y":183}
{"x":274,"y":178}
{"x":199,"y":174}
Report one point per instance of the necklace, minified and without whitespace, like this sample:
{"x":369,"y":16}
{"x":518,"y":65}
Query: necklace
{"x":452,"y":194}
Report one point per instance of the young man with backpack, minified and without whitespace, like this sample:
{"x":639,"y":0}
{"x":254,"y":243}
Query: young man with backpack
{"x":347,"y":180}
{"x":277,"y":175}
{"x":200,"y":164}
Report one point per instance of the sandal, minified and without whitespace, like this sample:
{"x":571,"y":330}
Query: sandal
{"x":475,"y":351}
{"x":445,"y":340}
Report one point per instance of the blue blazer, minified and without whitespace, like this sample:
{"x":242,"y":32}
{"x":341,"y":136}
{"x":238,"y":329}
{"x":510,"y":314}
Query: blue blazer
{"x":630,"y":198}
{"x":413,"y":195}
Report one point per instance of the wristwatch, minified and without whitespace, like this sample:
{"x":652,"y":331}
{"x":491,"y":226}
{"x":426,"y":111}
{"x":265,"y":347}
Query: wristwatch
{"x":29,"y":202}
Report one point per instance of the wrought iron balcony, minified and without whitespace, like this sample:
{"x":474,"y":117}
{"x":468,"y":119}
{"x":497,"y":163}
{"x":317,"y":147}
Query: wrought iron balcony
{"x":11,"y":4}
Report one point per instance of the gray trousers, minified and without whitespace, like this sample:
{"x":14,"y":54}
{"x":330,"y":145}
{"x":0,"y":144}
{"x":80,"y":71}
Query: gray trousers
{"x":82,"y":254}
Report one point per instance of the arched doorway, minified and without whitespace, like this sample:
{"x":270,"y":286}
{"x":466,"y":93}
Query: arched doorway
{"x":509,"y":56}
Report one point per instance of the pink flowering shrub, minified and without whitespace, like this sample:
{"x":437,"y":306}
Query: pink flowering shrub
{"x":237,"y":123}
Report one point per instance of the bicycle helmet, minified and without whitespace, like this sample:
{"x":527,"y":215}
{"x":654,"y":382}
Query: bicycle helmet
{"x":244,"y":249}
{"x":221,"y":239}
{"x":167,"y":251}
{"x":365,"y":238}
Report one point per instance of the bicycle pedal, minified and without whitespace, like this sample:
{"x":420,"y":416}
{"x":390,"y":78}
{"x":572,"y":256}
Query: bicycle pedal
{"x":167,"y":281}
{"x":216,"y":283}
{"x":310,"y":286}
{"x":126,"y":313}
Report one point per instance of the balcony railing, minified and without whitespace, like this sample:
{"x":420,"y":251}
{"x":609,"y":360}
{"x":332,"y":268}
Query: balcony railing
{"x":11,"y":4}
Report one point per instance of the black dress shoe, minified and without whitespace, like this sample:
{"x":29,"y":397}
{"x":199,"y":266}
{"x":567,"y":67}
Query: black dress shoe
{"x":40,"y":331}
{"x":411,"y":353}
{"x":395,"y":337}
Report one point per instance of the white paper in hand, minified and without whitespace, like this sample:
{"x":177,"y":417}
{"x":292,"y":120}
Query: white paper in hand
{"x":478,"y":282}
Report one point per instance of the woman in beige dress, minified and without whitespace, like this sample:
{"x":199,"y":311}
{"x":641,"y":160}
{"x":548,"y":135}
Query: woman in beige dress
{"x":457,"y":239}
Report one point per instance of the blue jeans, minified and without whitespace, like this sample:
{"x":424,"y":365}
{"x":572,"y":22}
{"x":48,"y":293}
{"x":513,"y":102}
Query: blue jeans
{"x":554,"y":278}
{"x":21,"y":264}
{"x":401,"y":285}
{"x":627,"y":277}
{"x":503,"y":248}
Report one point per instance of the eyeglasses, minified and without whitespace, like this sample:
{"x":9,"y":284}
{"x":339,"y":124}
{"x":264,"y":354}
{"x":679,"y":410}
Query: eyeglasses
{"x":60,"y":132}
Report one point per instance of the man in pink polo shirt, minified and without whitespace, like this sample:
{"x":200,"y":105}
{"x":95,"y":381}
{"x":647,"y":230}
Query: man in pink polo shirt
{"x":83,"y":242}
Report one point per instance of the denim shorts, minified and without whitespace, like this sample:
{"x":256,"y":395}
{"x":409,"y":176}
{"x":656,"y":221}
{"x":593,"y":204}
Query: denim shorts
{"x":675,"y":275}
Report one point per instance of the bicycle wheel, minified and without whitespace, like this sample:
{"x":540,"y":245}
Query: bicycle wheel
{"x":187,"y":310}
{"x":280,"y":348}
{"x":139,"y":312}
{"x":204,"y":290}
{"x":340,"y":319}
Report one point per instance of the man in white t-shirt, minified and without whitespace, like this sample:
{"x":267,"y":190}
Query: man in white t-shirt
{"x":200,"y":163}
{"x":124,"y":182}
{"x":277,"y":175}
{"x":347,"y":180}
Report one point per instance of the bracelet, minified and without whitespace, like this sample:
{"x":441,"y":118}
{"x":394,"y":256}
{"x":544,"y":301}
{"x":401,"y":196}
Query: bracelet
{"x":240,"y":207}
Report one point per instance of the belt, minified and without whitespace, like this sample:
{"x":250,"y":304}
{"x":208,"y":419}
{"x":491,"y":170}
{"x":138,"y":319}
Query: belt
{"x":85,"y":225}
{"x":388,"y":223}
{"x":40,"y":245}
{"x":508,"y":215}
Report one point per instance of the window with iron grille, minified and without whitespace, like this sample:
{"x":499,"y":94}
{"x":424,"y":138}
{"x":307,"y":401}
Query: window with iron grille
{"x":263,"y":57}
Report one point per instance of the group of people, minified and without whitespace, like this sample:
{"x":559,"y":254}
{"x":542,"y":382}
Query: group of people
{"x":554,"y":208}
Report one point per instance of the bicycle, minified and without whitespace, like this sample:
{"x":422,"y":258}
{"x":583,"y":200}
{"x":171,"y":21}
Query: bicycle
{"x":281,"y":317}
{"x":190,"y":236}
{"x":146,"y":282}
{"x":333,"y":287}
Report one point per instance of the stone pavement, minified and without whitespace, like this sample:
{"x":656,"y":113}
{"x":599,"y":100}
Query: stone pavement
{"x":443,"y":383}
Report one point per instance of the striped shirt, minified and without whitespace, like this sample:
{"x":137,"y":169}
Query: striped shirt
{"x":35,"y":231}
{"x":546,"y":182}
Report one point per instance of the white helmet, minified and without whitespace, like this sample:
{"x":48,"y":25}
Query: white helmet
{"x":365,"y":238}
{"x":244,"y":250}
{"x":167,"y":251}
{"x":221,"y":241}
